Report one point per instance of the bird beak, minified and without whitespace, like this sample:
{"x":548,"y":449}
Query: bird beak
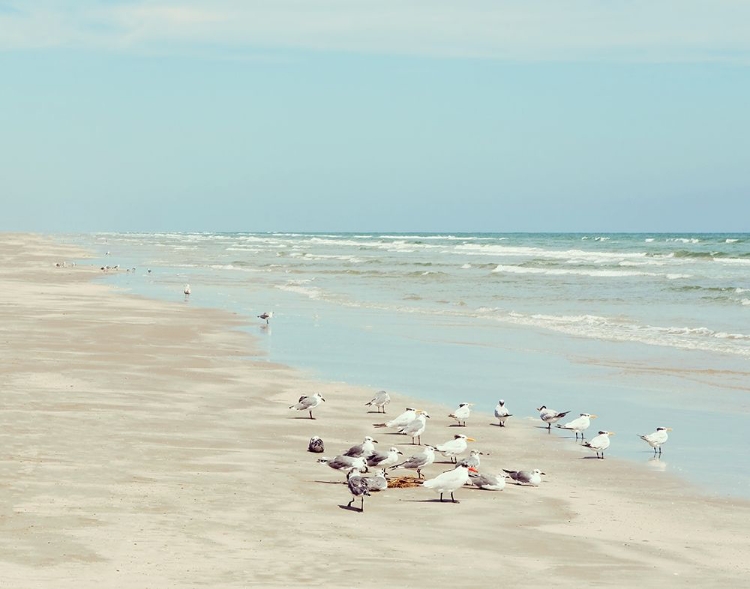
{"x":322,"y":399}
{"x":669,"y":429}
{"x":544,"y":473}
{"x":593,"y":416}
{"x":610,"y":433}
{"x":375,"y":442}
{"x":400,"y":452}
{"x":470,"y":440}
{"x":472,"y":469}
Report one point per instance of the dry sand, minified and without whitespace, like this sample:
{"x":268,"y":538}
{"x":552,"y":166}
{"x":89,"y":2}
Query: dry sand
{"x":150,"y":444}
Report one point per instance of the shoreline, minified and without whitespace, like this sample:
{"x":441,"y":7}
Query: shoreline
{"x":155,"y":467}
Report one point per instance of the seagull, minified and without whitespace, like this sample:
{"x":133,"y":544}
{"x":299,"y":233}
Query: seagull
{"x":473,"y":459}
{"x":550,"y":416}
{"x":579,"y":424}
{"x":357,"y":487}
{"x":462,"y":413}
{"x":341,"y":462}
{"x":449,"y":481}
{"x":525,"y":477}
{"x":379,"y":401}
{"x":384,"y":459}
{"x":316,"y":445}
{"x":489,"y":482}
{"x":656,"y":439}
{"x":418,"y":461}
{"x":267,"y":315}
{"x":416,"y":428}
{"x":308,"y":403}
{"x":365,"y":449}
{"x":454,"y":447}
{"x":377,"y":482}
{"x":599,"y":443}
{"x":404,"y":419}
{"x":186,"y":290}
{"x":502,"y":413}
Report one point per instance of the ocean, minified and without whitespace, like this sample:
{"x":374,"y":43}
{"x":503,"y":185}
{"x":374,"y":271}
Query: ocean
{"x":644,"y":330}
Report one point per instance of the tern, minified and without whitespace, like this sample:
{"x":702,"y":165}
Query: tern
{"x":502,"y":413}
{"x":404,"y":419}
{"x":550,"y":416}
{"x":267,"y":315}
{"x":454,"y":447}
{"x":449,"y":481}
{"x":599,"y":443}
{"x":462,"y":413}
{"x":656,"y":439}
{"x":579,"y":424}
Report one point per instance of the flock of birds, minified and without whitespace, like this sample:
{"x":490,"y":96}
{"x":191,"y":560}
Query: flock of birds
{"x":412,"y":422}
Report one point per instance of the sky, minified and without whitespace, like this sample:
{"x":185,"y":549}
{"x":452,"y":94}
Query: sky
{"x":359,"y":115}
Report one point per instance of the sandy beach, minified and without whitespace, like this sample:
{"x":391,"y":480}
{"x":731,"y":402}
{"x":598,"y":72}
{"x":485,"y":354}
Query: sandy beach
{"x":150,"y":444}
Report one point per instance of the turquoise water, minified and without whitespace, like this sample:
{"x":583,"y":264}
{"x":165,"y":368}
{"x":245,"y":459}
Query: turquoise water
{"x":643,"y":330}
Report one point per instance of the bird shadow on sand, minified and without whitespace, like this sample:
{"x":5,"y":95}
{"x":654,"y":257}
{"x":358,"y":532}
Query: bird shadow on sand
{"x":456,"y":425}
{"x":376,"y":412}
{"x":305,"y":418}
{"x":350,"y":508}
{"x":429,"y":501}
{"x":503,"y":426}
{"x":331,"y":482}
{"x":590,"y":458}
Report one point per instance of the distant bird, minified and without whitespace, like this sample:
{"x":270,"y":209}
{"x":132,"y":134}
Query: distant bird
{"x":418,"y":461}
{"x":656,"y":439}
{"x":579,"y":424}
{"x":550,"y":416}
{"x":462,"y":413}
{"x":502,"y":413}
{"x":186,"y":290}
{"x":404,"y":419}
{"x":365,"y":449}
{"x":488,"y":482}
{"x":308,"y":403}
{"x":341,"y":462}
{"x":316,"y":445}
{"x":416,"y":428}
{"x":267,"y":315}
{"x":525,"y":477}
{"x":473,"y":459}
{"x":379,"y":401}
{"x":149,"y":270}
{"x":599,"y":443}
{"x":384,"y":459}
{"x":449,"y":481}
{"x":357,"y":487}
{"x":454,"y":447}
{"x":377,"y":482}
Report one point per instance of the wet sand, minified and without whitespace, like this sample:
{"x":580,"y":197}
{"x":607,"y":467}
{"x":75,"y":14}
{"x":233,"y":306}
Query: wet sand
{"x":150,"y":444}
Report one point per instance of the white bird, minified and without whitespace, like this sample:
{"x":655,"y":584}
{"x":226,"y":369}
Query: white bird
{"x":186,"y":290}
{"x":550,"y":416}
{"x":525,"y":477}
{"x":599,"y":443}
{"x":502,"y":413}
{"x":357,"y":487}
{"x":454,"y":447}
{"x":365,"y":449}
{"x":379,"y":401}
{"x":418,"y":461}
{"x":462,"y":413}
{"x":342,"y":462}
{"x":473,"y":459}
{"x":267,"y":315}
{"x":579,"y":424}
{"x":656,"y":439}
{"x":385,"y":459}
{"x":377,"y":482}
{"x":404,"y":419}
{"x":308,"y":403}
{"x":489,"y":482}
{"x":449,"y":481}
{"x":416,"y":428}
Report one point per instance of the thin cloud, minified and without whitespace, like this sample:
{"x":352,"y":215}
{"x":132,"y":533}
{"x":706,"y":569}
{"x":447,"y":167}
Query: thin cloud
{"x":518,"y":30}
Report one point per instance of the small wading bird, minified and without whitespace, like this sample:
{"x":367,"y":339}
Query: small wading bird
{"x":267,"y":315}
{"x":579,"y":424}
{"x":186,"y":290}
{"x":656,"y":439}
{"x":308,"y":403}
{"x":416,"y":428}
{"x":449,"y":481}
{"x":379,"y":401}
{"x":526,"y":477}
{"x":550,"y":416}
{"x":357,"y":487}
{"x":418,"y":461}
{"x":599,"y":443}
{"x":462,"y":413}
{"x":404,"y":419}
{"x":502,"y":413}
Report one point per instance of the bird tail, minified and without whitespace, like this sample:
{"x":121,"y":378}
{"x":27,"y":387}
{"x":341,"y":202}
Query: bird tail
{"x":291,"y":406}
{"x":451,"y":415}
{"x":368,"y":403}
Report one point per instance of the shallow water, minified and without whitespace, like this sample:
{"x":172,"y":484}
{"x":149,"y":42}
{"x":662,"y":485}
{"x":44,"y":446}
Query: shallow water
{"x":642,"y":330}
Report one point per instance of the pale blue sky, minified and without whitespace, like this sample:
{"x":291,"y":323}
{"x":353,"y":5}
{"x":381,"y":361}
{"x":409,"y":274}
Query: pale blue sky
{"x":577,"y":115}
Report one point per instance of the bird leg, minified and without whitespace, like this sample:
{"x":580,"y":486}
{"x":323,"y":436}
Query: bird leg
{"x":350,"y":502}
{"x":362,"y":504}
{"x":453,"y":498}
{"x":311,"y":417}
{"x":419,"y":473}
{"x":441,"y":497}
